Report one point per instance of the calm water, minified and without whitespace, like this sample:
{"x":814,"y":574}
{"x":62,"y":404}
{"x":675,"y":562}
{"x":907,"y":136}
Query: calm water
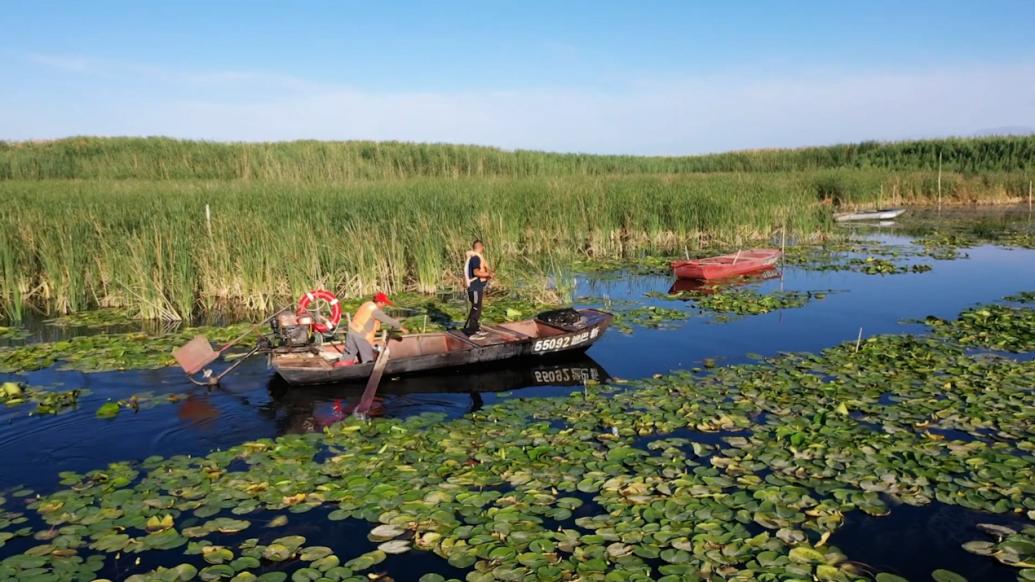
{"x":253,"y":403}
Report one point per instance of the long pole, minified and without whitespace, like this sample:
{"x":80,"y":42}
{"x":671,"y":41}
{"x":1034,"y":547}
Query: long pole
{"x":1029,"y":196}
{"x":939,"y":181}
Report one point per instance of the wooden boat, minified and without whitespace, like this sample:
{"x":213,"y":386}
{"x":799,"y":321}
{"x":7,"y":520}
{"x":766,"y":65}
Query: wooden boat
{"x":882,"y":214}
{"x":740,"y":263}
{"x":706,"y":287}
{"x":541,"y":336}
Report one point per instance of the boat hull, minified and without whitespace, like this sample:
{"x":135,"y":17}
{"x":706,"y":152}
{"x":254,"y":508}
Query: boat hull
{"x":886,"y":214}
{"x":725,"y":266}
{"x":504,"y":343}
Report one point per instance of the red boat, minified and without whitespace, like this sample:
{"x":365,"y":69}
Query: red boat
{"x":739,"y":263}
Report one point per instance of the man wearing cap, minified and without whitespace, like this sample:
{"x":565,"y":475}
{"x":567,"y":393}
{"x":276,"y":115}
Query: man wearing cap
{"x":364,"y":327}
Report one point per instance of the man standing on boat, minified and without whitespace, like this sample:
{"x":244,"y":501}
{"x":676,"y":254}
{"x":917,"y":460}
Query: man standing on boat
{"x":363,"y":329}
{"x":476,"y":276}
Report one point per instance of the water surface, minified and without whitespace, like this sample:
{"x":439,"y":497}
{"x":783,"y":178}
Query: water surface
{"x":254,"y":403}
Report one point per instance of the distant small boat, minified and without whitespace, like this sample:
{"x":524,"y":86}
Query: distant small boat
{"x":882,"y":214}
{"x":739,"y":263}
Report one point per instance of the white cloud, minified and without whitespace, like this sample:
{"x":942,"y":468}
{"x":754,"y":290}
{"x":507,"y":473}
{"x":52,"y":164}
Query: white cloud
{"x":653,"y":116}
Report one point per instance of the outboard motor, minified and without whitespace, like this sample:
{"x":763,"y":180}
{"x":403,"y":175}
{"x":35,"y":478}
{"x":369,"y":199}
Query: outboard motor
{"x":292,"y":330}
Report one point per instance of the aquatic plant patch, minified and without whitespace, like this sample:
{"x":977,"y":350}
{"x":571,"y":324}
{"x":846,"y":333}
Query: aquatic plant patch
{"x":766,"y":461}
{"x":110,"y":351}
{"x":946,"y":246}
{"x":990,"y":326}
{"x":1011,"y":547}
{"x":879,"y":266}
{"x":865,"y":256}
{"x":645,"y":265}
{"x":1022,"y":297}
{"x":137,"y":402}
{"x":46,"y":401}
{"x":627,"y":317}
{"x":97,"y":318}
{"x":746,"y":301}
{"x":8,"y":333}
{"x":949,"y":236}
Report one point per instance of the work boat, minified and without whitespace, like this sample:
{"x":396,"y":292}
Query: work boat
{"x":566,"y":330}
{"x":301,"y":353}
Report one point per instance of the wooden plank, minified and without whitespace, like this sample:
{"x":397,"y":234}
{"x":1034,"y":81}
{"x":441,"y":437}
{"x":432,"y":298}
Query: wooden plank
{"x":505,"y":331}
{"x":367,"y":400}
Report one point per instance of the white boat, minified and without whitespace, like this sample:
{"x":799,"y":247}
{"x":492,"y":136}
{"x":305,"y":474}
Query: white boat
{"x":882,"y":214}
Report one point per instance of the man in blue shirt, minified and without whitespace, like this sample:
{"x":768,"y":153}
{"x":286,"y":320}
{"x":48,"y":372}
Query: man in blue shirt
{"x":476,"y":276}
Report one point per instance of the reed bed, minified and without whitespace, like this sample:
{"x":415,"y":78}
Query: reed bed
{"x":321,"y":161}
{"x":172,"y":229}
{"x":147,"y":245}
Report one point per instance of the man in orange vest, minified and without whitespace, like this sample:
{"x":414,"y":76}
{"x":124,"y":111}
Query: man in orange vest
{"x":364,"y":327}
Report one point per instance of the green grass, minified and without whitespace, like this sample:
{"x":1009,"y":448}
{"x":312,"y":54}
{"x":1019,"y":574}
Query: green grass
{"x":319,"y":161}
{"x":146,"y":245}
{"x":120,"y":222}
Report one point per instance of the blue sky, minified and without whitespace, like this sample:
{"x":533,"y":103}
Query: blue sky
{"x":610,"y":77}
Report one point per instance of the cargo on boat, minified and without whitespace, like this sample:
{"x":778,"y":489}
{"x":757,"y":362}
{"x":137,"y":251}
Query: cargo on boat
{"x":567,"y":330}
{"x":739,"y":263}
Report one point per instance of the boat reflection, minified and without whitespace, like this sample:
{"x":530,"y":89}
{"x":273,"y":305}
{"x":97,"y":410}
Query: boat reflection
{"x":702,"y":287}
{"x":310,"y":408}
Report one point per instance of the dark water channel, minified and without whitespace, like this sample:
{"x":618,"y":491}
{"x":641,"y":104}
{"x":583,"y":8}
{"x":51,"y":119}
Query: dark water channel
{"x":253,"y":403}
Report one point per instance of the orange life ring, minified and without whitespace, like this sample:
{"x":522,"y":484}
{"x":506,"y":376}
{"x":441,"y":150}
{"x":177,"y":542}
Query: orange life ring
{"x":329,"y":323}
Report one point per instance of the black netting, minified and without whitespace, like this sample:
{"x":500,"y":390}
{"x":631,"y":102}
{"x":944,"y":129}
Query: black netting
{"x":564,"y":318}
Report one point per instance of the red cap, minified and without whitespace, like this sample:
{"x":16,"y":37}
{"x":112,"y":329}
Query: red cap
{"x":380,"y":297}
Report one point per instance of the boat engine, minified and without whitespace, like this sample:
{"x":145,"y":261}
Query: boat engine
{"x":292,"y":330}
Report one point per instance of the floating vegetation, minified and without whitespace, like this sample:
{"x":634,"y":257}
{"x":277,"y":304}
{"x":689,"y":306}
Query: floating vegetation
{"x":862,"y":256}
{"x":106,"y":317}
{"x":990,"y":326}
{"x":1010,"y":547}
{"x":879,"y":266}
{"x":649,"y":316}
{"x":1023,"y":297}
{"x":137,"y":402}
{"x":645,"y":265}
{"x":46,"y":401}
{"x":8,"y":333}
{"x":745,"y":472}
{"x":946,"y":246}
{"x":745,"y":301}
{"x":110,"y":351}
{"x":946,"y":235}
